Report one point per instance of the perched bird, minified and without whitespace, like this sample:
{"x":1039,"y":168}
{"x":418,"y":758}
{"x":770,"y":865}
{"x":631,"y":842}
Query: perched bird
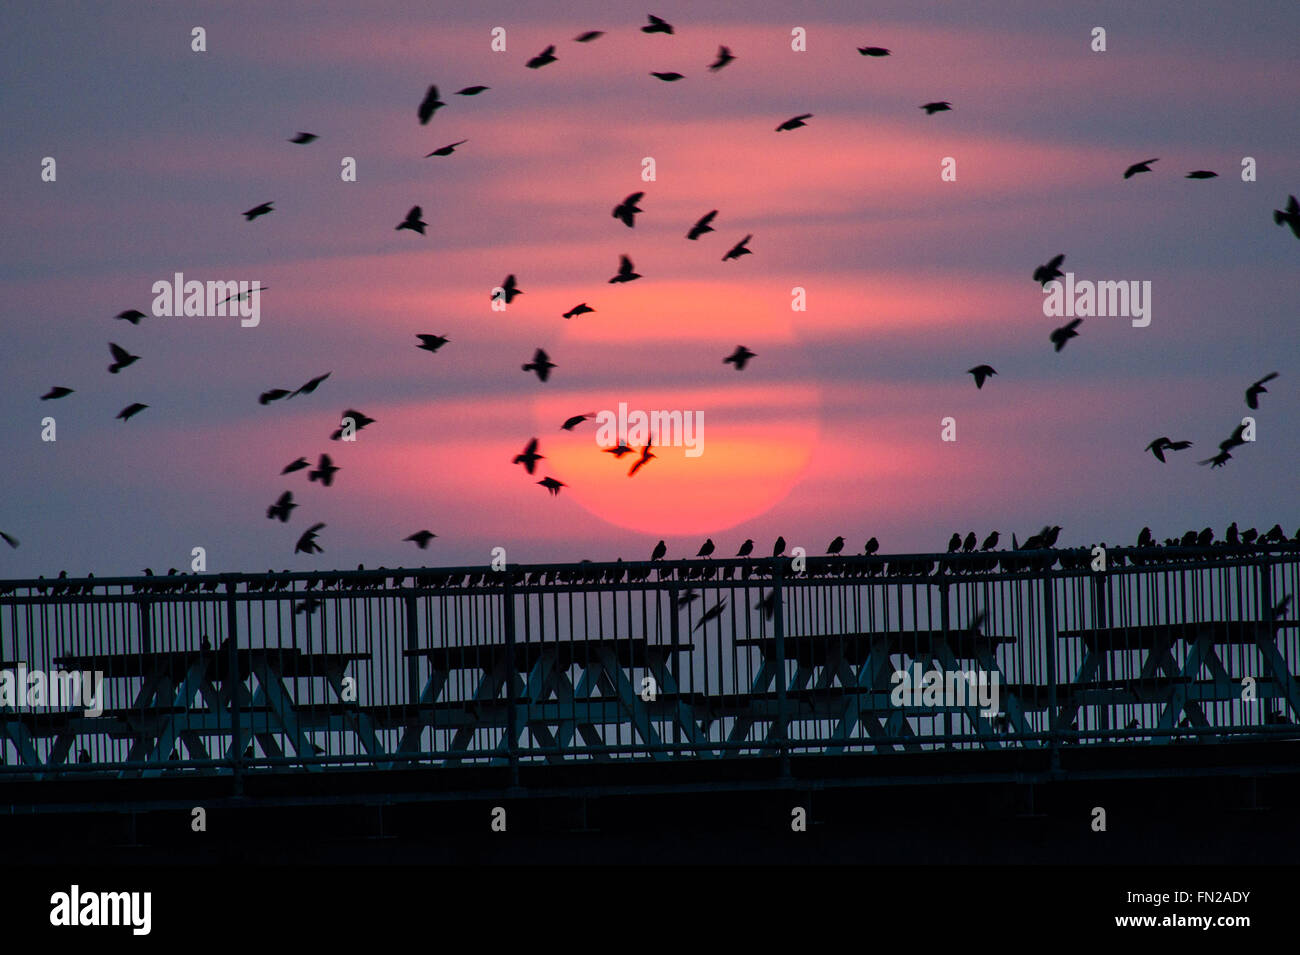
{"x":421,"y":538}
{"x":660,"y":550}
{"x":256,"y":211}
{"x":358,"y":419}
{"x":273,"y":394}
{"x":529,"y":457}
{"x":1052,"y":270}
{"x":429,"y":105}
{"x":713,"y":613}
{"x":954,"y":543}
{"x":656,"y":25}
{"x":1145,"y":539}
{"x":446,"y":150}
{"x":1201,"y":174}
{"x":981,"y":373}
{"x":1205,"y":538}
{"x":310,"y":386}
{"x":1291,"y":217}
{"x":413,"y":221}
{"x":702,"y":226}
{"x":589,"y":36}
{"x":281,"y":508}
{"x":746,"y":548}
{"x":541,"y":59}
{"x":303,"y":139}
{"x":552,"y":485}
{"x":580,"y":309}
{"x":990,"y":542}
{"x":873,"y":545}
{"x":1137,"y":167}
{"x":794,"y":122}
{"x":576,"y":420}
{"x":1160,"y":445}
{"x":1257,"y":389}
{"x":724,"y":57}
{"x":9,"y":539}
{"x":121,"y":358}
{"x":968,"y":545}
{"x":131,"y":315}
{"x":1274,"y":534}
{"x":779,"y":547}
{"x":324,"y":472}
{"x":942,"y":106}
{"x":307,"y":542}
{"x":431,"y":342}
{"x":873,"y":51}
{"x":1248,"y":536}
{"x":58,"y":391}
{"x":297,"y":465}
{"x":1218,"y":461}
{"x":740,"y":357}
{"x":1063,"y":334}
{"x":646,"y":455}
{"x":131,"y":410}
{"x":668,"y":77}
{"x":706,"y":549}
{"x":739,"y":249}
{"x":626,"y":210}
{"x":835,"y":546}
{"x":620,"y":450}
{"x":625,"y":272}
{"x":1230,"y":535}
{"x":541,"y":364}
{"x":472,"y":90}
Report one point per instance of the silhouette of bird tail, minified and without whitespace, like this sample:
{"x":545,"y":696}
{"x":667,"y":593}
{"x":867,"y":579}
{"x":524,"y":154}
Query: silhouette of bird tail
{"x":1277,"y":216}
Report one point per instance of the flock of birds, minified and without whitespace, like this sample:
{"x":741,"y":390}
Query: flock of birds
{"x":541,"y":364}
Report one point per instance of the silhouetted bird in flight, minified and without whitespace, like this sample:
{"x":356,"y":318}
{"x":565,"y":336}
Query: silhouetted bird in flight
{"x":413,"y":221}
{"x":981,"y":373}
{"x":1201,"y":174}
{"x":121,"y":358}
{"x":1291,"y":217}
{"x":509,"y":289}
{"x":724,"y":57}
{"x":307,"y":542}
{"x":626,"y":210}
{"x":740,"y":357}
{"x":1160,"y":445}
{"x":767,"y":604}
{"x":990,"y":542}
{"x":273,"y":394}
{"x":1063,"y":334}
{"x":472,"y":90}
{"x":132,"y":315}
{"x":359,"y":421}
{"x":256,"y":211}
{"x":281,"y":508}
{"x":668,"y":77}
{"x":940,"y":107}
{"x":589,"y":36}
{"x":541,"y":364}
{"x":571,"y":423}
{"x":619,"y":450}
{"x":303,"y":139}
{"x":794,"y":122}
{"x":660,"y":550}
{"x":541,"y":59}
{"x":706,"y":549}
{"x":954,"y":543}
{"x":1052,"y":270}
{"x":1257,"y":389}
{"x":1137,"y":167}
{"x":429,"y":105}
{"x":835,"y":546}
{"x":1218,"y":461}
{"x":9,"y":539}
{"x":702,"y":226}
{"x":873,"y":545}
{"x":446,"y":150}
{"x":552,"y":485}
{"x":656,"y":25}
{"x":297,"y":465}
{"x":873,"y":51}
{"x":580,"y":309}
{"x":431,"y":342}
{"x":529,"y":457}
{"x":1234,"y":440}
{"x":737,"y":250}
{"x":324,"y":471}
{"x":646,"y":455}
{"x":625,"y":272}
{"x":713,"y":613}
{"x":421,"y":538}
{"x":310,"y":386}
{"x":58,"y":391}
{"x":779,"y":547}
{"x":131,"y":410}
{"x":1280,"y":608}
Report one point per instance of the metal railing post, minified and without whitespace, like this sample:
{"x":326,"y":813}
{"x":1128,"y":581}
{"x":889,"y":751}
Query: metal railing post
{"x":1049,"y":634}
{"x":778,"y":633}
{"x":512,"y":728}
{"x":233,"y":681}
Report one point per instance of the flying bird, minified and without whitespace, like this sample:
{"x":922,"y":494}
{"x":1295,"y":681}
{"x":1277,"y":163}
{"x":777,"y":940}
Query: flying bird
{"x":472,"y":90}
{"x":1052,"y":270}
{"x":1218,"y":461}
{"x":625,"y":273}
{"x":589,"y":36}
{"x":9,"y":539}
{"x":794,"y":122}
{"x":541,"y":59}
{"x":1063,"y":334}
{"x":713,"y":613}
{"x":273,"y":394}
{"x":132,"y":315}
{"x":1137,"y":167}
{"x":1291,"y":217}
{"x":310,"y":386}
{"x":429,"y":105}
{"x":256,"y":211}
{"x":121,"y":358}
{"x":509,"y":290}
{"x":981,"y":373}
{"x":737,"y":250}
{"x":324,"y":472}
{"x":131,"y":410}
{"x":446,"y":150}
{"x":358,"y":419}
{"x":702,"y":226}
{"x":646,"y":455}
{"x":1201,"y":174}
{"x":303,"y":139}
{"x":660,"y":550}
{"x":307,"y":542}
{"x":668,"y":77}
{"x":58,"y":391}
{"x":1160,"y":445}
{"x":1234,"y":440}
{"x":281,"y":508}
{"x":942,"y":106}
{"x":740,"y":357}
{"x":657,"y":25}
{"x":529,"y":457}
{"x":619,"y":450}
{"x":297,"y":465}
{"x":431,"y":342}
{"x":541,"y":364}
{"x":581,"y":309}
{"x":873,"y":51}
{"x":1257,"y":389}
{"x":626,"y":210}
{"x":573,"y":422}
{"x":421,"y":538}
{"x":413,"y":221}
{"x":552,"y":485}
{"x":724,"y":57}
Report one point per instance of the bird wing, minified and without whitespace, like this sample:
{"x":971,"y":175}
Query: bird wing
{"x":119,"y":353}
